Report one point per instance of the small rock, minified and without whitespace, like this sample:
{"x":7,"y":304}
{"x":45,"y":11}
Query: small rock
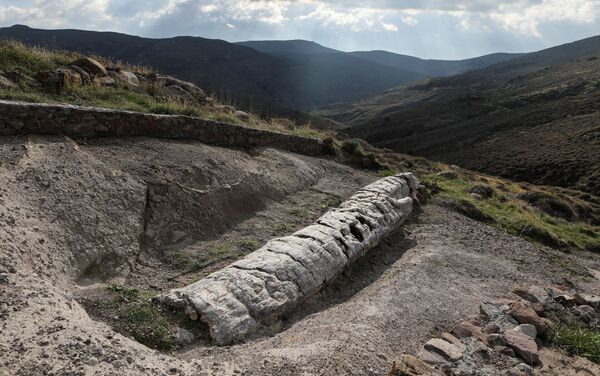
{"x":184,"y":337}
{"x":431,"y":358}
{"x":483,"y":191}
{"x":495,"y":340}
{"x":445,"y":349}
{"x":534,"y":294}
{"x":490,"y":311}
{"x":589,"y":300}
{"x":524,"y":346}
{"x":585,"y":312}
{"x":466,"y":329}
{"x":409,"y":365}
{"x":453,"y":340}
{"x":566,"y":300}
{"x":523,"y":369}
{"x":505,"y":350}
{"x":538,"y":308}
{"x":527,"y":329}
{"x":243,"y":116}
{"x":491,"y":328}
{"x":106,"y":81}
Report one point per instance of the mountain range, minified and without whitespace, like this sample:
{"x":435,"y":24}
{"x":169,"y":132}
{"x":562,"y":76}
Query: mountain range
{"x":533,"y":118}
{"x":269,"y":76}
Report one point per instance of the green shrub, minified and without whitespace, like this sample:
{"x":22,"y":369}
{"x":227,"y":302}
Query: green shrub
{"x":549,"y":204}
{"x":577,"y":340}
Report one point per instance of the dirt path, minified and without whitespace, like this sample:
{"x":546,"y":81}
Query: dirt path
{"x":79,"y":216}
{"x":391,"y":301}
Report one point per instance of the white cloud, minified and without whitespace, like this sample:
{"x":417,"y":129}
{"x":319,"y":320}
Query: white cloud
{"x":389,"y":27}
{"x":349,"y":23}
{"x":410,"y":20}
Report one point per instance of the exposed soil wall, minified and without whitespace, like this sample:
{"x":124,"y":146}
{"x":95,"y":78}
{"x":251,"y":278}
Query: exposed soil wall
{"x":18,"y":118}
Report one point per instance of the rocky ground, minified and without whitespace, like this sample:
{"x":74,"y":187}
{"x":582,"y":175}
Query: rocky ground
{"x":78,"y":217}
{"x":507,"y":335}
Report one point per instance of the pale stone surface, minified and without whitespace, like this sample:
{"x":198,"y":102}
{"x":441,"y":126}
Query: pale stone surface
{"x":270,"y":282}
{"x":445,"y":349}
{"x":527,"y":329}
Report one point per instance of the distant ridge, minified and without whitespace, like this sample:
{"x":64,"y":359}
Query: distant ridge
{"x":532,"y":118}
{"x":248,"y":77}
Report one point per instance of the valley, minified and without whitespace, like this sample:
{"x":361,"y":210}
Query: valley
{"x":189,"y":206}
{"x":534,"y":118}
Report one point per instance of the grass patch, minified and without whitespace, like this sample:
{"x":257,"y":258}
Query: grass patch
{"x":132,"y":313}
{"x":248,"y":245}
{"x":514,"y":215}
{"x":577,"y":340}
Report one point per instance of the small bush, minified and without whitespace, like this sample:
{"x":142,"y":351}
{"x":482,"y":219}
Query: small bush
{"x":577,"y":340}
{"x":248,"y":245}
{"x":467,"y":209}
{"x":134,"y":315}
{"x":549,"y":204}
{"x":482,"y":190}
{"x":353,"y":148}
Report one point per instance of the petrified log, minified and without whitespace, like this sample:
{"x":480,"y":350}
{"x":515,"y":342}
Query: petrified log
{"x":270,"y":282}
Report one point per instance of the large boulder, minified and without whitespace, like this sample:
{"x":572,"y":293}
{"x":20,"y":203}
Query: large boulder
{"x":91,"y":66}
{"x":197,"y":93}
{"x":523,"y":345}
{"x":59,"y":79}
{"x":177,"y":93}
{"x":241,"y":115}
{"x":130,"y":79}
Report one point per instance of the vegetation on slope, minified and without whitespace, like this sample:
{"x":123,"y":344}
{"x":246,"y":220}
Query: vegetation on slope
{"x":29,"y":61}
{"x":534,"y":118}
{"x":541,"y":214}
{"x":577,"y":340}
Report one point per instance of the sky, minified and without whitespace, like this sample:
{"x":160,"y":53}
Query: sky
{"x":448,"y":29}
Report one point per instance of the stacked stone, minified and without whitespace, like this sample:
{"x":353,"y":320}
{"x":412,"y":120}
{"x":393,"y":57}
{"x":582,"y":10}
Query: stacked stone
{"x":270,"y":282}
{"x":17,"y":118}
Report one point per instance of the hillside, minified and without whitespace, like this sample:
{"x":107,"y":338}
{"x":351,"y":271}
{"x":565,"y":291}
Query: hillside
{"x":534,"y":118}
{"x":349,"y":261}
{"x":232,"y":72}
{"x":419,"y":67}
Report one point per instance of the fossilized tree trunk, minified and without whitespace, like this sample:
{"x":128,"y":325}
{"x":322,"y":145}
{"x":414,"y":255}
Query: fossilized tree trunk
{"x":270,"y":282}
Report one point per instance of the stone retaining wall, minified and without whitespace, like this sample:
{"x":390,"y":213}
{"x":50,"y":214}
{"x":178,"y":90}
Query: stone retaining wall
{"x":17,"y":118}
{"x":270,"y":282}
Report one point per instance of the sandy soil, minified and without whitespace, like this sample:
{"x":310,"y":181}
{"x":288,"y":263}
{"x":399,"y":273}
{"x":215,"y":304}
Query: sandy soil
{"x":76,"y":216}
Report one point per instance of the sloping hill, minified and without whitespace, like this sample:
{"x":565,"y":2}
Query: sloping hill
{"x":433,"y":68}
{"x":260,"y":80}
{"x":533,"y":118}
{"x":296,"y":46}
{"x":419,"y":67}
